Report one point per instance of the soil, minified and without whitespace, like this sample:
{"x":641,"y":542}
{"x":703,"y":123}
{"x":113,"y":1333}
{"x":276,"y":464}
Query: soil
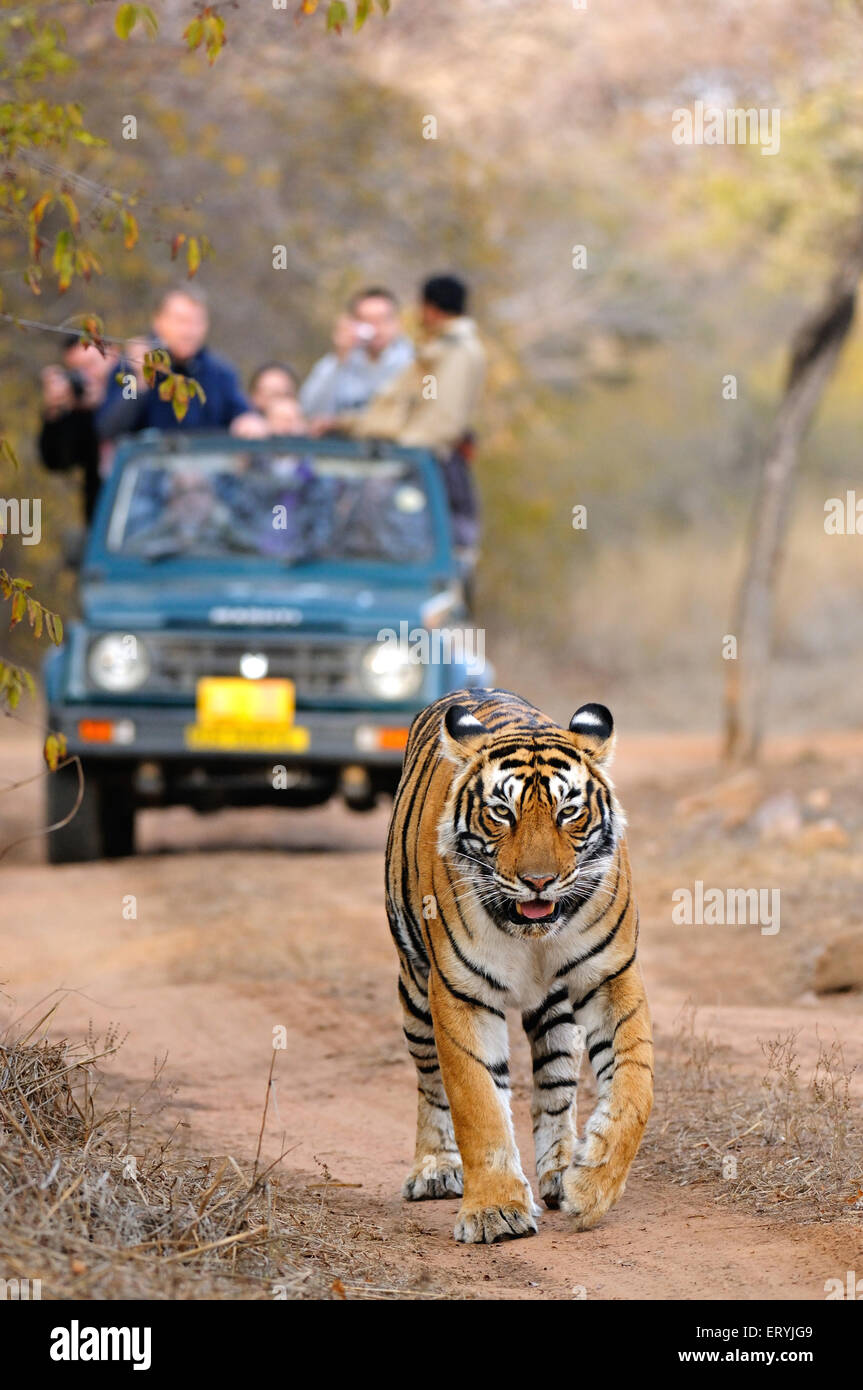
{"x":249,"y":922}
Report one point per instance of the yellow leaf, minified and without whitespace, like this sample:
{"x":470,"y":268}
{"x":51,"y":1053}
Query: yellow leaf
{"x":194,"y":33}
{"x":37,"y":212}
{"x":130,"y":230}
{"x":71,"y":211}
{"x":19,"y":604}
{"x":54,"y":750}
{"x":125,"y":20}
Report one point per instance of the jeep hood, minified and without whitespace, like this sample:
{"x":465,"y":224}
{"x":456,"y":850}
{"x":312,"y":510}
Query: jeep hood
{"x":286,"y":603}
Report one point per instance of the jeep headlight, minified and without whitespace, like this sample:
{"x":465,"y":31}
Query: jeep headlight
{"x":118,"y":662}
{"x":389,"y":673}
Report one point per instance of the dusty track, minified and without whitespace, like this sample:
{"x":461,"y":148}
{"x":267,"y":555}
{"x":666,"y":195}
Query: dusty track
{"x":248,"y":922}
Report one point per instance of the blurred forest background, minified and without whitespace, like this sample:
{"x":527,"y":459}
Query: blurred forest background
{"x":553,"y":130}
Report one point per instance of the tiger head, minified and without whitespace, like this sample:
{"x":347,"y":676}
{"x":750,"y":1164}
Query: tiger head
{"x":530,"y":823}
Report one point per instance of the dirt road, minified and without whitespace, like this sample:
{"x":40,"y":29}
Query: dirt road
{"x":226,"y":929}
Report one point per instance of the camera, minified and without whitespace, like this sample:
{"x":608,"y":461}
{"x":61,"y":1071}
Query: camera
{"x":76,"y":381}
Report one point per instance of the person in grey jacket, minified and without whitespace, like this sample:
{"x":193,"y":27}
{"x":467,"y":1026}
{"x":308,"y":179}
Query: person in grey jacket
{"x":370,"y":350}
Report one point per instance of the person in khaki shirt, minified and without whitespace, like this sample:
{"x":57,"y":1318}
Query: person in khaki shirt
{"x":432,"y":402}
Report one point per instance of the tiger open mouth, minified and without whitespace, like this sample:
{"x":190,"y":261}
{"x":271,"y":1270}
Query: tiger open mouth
{"x":535,"y":910}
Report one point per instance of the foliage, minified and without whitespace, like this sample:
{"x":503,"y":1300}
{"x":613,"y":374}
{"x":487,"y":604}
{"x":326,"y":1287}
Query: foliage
{"x":605,"y":383}
{"x":58,"y":219}
{"x":62,"y":226}
{"x":338,"y":13}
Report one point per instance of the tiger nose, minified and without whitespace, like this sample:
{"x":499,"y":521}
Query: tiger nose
{"x":538,"y":881}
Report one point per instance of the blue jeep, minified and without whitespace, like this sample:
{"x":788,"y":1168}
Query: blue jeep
{"x":260,"y":623}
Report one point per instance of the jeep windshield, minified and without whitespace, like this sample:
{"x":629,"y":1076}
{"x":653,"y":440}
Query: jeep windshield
{"x":292,"y":507}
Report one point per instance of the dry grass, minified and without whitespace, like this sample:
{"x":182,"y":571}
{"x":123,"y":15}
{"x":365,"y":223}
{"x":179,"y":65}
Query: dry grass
{"x":94,"y":1208}
{"x":791,"y":1146}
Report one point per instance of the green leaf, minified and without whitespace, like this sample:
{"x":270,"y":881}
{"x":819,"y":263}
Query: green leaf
{"x":8,"y":455}
{"x":125,"y":20}
{"x":149,"y":20}
{"x":193,"y":256}
{"x":194,"y":33}
{"x":337,"y":15}
{"x":181,"y":397}
{"x":62,"y":262}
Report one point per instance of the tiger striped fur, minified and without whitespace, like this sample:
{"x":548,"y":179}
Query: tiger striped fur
{"x":508,"y":886}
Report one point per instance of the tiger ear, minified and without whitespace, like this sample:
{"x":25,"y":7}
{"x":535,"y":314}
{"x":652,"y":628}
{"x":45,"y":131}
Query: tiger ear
{"x":593,"y":727}
{"x":461,"y":734}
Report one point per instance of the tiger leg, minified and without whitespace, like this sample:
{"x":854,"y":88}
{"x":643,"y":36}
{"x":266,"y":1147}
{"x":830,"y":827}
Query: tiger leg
{"x":620,"y":1047}
{"x":556,"y":1047}
{"x":436,"y":1170}
{"x":473,"y":1050}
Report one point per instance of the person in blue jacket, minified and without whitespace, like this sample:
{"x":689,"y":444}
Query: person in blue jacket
{"x":180,"y":326}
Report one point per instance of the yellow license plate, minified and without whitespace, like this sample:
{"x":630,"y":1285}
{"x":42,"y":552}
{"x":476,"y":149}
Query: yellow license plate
{"x":237,"y":714}
{"x":237,"y":701}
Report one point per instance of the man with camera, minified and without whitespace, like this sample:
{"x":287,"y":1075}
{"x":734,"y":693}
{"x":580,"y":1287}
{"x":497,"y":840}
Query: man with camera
{"x":72,"y":393}
{"x":432,"y":403}
{"x":369,"y":350}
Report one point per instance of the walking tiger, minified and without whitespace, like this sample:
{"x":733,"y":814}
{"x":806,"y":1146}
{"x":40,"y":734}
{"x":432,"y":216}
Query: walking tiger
{"x":508,"y":886}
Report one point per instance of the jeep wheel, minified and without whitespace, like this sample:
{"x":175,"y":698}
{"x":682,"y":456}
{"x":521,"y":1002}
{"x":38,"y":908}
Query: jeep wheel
{"x":103,"y":827}
{"x":117,"y":813}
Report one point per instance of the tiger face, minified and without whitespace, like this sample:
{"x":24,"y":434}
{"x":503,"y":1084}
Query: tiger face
{"x":531,"y":822}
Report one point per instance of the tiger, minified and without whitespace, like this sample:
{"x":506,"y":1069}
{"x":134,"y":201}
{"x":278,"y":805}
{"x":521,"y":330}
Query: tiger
{"x":508,"y":886}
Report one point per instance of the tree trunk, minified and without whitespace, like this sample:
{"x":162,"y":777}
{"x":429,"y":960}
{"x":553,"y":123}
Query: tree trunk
{"x":814,"y":354}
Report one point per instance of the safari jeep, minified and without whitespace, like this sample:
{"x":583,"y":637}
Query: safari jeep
{"x":260,"y":623}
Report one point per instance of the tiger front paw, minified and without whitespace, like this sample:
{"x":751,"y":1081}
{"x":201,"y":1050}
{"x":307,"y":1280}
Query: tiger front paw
{"x":487,"y":1225}
{"x":432,"y":1177}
